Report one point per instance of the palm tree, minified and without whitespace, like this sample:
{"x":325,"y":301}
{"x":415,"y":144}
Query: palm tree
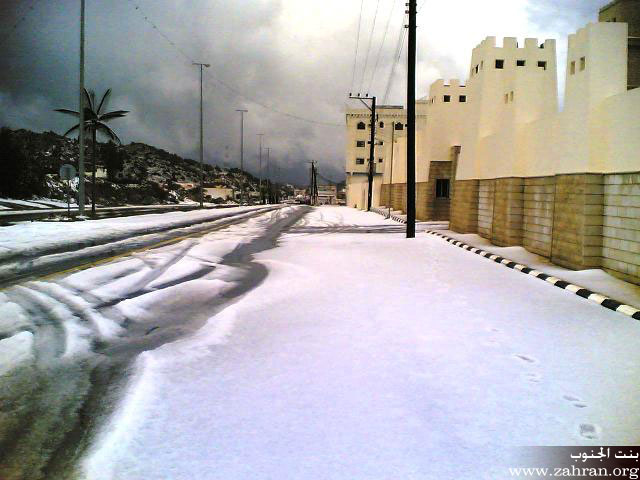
{"x":94,"y":122}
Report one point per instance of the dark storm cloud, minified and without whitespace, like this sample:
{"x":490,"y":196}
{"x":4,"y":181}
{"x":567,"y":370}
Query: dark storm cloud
{"x":301,"y":66}
{"x":161,"y":87}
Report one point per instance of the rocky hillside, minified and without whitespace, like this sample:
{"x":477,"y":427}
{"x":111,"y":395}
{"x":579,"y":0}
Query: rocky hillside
{"x":136,"y":173}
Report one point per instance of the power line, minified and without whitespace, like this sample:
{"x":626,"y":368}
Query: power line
{"x":384,"y":37}
{"x":397,"y":55}
{"x":366,"y":58}
{"x":355,"y":57}
{"x":227,"y":86}
{"x":15,"y":26}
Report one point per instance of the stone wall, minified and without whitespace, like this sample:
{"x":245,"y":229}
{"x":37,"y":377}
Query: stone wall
{"x":621,"y":226}
{"x":508,"y":209}
{"x":537,"y":223}
{"x":424,"y":201}
{"x":464,"y":206}
{"x":486,"y":192}
{"x":577,"y":221}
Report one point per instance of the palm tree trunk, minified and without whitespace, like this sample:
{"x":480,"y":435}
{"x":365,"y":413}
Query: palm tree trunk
{"x":93,"y":174}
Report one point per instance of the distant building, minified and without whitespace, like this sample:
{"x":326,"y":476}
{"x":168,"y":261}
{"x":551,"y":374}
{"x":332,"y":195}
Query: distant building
{"x":327,"y":195}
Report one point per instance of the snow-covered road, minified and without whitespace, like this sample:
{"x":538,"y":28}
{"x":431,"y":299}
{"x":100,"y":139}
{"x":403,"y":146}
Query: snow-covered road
{"x":367,"y":356}
{"x":343,"y":351}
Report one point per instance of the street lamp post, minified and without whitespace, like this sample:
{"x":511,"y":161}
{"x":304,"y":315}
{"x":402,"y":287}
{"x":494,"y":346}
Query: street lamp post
{"x":242,"y":112}
{"x":260,"y":165}
{"x":201,"y":65}
{"x":81,"y":117}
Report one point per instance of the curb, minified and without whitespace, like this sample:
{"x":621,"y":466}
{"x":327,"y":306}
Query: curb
{"x":601,"y":300}
{"x":386,"y":214}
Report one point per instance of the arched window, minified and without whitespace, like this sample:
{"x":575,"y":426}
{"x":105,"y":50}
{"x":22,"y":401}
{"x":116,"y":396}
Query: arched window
{"x":361,"y":126}
{"x":399,"y":126}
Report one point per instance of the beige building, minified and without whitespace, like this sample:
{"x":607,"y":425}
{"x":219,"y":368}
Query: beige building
{"x":390,"y":127}
{"x":564,"y":183}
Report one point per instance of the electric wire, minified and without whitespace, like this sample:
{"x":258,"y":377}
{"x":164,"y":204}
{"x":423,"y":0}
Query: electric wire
{"x":366,"y":58}
{"x":355,"y":57}
{"x":396,"y":60}
{"x":226,"y":85}
{"x":384,"y":37}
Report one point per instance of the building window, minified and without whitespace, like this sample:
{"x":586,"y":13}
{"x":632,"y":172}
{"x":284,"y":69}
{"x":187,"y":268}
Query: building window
{"x":573,"y":68}
{"x":360,"y":143}
{"x":511,"y":96}
{"x":379,"y":160}
{"x":542,"y":64}
{"x":506,"y":98}
{"x":462,"y":98}
{"x":381,"y":124}
{"x":520,"y":63}
{"x":399,"y":126}
{"x":359,"y":161}
{"x":583,"y":63}
{"x":499,"y":64}
{"x":476,"y":68}
{"x":447,"y":98}
{"x":442,"y":188}
{"x":381,"y":142}
{"x":361,"y":126}
{"x":481,"y":64}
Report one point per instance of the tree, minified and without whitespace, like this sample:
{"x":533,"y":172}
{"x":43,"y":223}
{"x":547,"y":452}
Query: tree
{"x":94,"y":122}
{"x":21,"y":176}
{"x":112,"y":159}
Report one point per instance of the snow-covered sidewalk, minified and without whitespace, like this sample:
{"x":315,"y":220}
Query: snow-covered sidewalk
{"x":364,"y":355}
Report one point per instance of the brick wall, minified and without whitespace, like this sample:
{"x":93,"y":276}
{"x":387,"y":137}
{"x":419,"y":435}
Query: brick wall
{"x":508,"y":210}
{"x":537,"y":223}
{"x":486,"y":191}
{"x":464,"y":206}
{"x":621,"y":226}
{"x":577,"y":221}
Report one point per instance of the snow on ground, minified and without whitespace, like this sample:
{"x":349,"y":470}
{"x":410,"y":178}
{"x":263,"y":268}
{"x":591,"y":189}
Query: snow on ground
{"x":68,"y":314}
{"x":596,"y":280}
{"x":364,"y":355}
{"x":36,"y":238}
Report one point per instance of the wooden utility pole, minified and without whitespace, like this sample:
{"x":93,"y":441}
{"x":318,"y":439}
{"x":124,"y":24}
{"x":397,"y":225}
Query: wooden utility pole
{"x":411,"y":122}
{"x":372,"y":143}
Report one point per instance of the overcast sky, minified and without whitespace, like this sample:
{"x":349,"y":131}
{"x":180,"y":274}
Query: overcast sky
{"x":294,"y":56}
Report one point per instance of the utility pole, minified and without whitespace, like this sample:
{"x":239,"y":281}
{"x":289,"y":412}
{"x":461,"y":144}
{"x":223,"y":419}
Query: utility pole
{"x":411,"y":122}
{"x":81,"y":117}
{"x":268,"y":179}
{"x":372,"y":143}
{"x":260,"y":166}
{"x":201,"y":65}
{"x":393,"y":142}
{"x":242,"y":112}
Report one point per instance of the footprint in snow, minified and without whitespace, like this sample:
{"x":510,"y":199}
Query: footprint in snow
{"x":589,"y":431}
{"x":533,"y":377}
{"x":575,"y":400}
{"x":526,"y":358}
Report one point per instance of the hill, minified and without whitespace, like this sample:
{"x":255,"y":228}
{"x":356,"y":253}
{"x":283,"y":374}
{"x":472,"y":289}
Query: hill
{"x":133,"y":173}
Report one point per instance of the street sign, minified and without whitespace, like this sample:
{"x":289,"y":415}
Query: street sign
{"x":67,"y":172}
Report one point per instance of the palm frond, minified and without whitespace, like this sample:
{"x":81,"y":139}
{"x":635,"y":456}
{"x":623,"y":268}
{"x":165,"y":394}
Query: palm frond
{"x":104,"y":128}
{"x":71,"y":130}
{"x":89,"y":96}
{"x":103,"y":102}
{"x":89,"y":114}
{"x":114,"y":114}
{"x":67,"y":111}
